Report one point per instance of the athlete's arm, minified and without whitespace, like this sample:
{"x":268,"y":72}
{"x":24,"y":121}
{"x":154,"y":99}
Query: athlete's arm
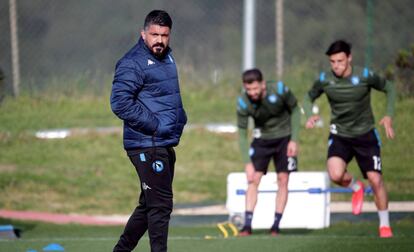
{"x":243,"y":125}
{"x":295,"y":123}
{"x":386,"y":121}
{"x":308,"y":100}
{"x":244,"y":145}
{"x":244,"y":149}
{"x":307,"y":107}
{"x":292,"y":149}
{"x":389,"y":89}
{"x":293,"y":107}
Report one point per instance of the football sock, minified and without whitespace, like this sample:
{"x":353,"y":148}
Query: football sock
{"x":248,"y":219}
{"x":384,"y":218}
{"x":354,"y":185}
{"x":278,"y":217}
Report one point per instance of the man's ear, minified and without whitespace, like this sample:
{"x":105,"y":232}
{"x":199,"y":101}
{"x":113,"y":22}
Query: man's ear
{"x":350,"y":58}
{"x":143,"y":34}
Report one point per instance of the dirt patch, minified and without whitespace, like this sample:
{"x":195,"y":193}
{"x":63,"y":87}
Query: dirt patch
{"x":7,"y":168}
{"x":4,"y":136}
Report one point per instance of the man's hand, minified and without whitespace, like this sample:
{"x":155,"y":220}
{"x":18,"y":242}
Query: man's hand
{"x":249,"y":168}
{"x":292,"y":149}
{"x":386,"y":121}
{"x":312,"y":121}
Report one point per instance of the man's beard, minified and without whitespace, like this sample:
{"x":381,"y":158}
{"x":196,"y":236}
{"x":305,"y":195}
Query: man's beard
{"x":256,"y":100}
{"x":160,"y":52}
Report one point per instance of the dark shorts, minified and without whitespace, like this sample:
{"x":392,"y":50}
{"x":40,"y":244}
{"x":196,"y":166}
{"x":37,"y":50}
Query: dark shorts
{"x":365,"y":148}
{"x":262,"y":150}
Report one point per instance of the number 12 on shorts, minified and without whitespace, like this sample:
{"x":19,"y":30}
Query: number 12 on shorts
{"x":291,"y":164}
{"x":377,"y":163}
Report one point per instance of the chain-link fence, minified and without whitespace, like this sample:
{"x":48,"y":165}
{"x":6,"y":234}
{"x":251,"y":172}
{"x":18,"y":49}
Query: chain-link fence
{"x":72,"y":38}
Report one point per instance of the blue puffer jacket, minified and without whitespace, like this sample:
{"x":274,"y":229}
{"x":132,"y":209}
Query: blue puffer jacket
{"x":146,"y":96}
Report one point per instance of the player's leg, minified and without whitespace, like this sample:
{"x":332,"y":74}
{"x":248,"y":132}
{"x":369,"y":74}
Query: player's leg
{"x":260,"y":157}
{"x":340,"y":176}
{"x":284,"y":165}
{"x":381,"y":201}
{"x":380,"y":193}
{"x":282,"y":193}
{"x":337,"y":171}
{"x":340,"y":153}
{"x":252,"y":191}
{"x":251,"y":200}
{"x":281,"y":200}
{"x":368,"y":155}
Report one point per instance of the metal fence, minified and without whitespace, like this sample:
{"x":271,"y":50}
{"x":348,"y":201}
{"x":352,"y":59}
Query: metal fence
{"x":67,"y":39}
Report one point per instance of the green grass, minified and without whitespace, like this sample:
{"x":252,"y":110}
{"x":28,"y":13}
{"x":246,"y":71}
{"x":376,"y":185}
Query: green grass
{"x":341,"y":236}
{"x":92,"y":174}
{"x":30,"y":113}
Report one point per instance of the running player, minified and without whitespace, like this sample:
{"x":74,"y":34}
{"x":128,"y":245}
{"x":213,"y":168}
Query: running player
{"x":352,"y":129}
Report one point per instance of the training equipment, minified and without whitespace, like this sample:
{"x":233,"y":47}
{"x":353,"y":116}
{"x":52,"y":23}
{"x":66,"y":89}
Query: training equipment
{"x":208,"y":237}
{"x":9,"y":232}
{"x":358,"y":199}
{"x":385,"y":232}
{"x":307,"y":207}
{"x":222,"y":227}
{"x":53,"y":247}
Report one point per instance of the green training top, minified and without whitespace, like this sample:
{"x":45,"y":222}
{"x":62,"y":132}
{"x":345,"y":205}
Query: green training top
{"x":275,"y":115}
{"x":350,"y":100}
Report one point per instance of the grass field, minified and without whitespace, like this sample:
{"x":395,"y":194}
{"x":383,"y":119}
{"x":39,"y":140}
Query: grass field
{"x":83,"y":174}
{"x":354,"y":235}
{"x":90,"y":174}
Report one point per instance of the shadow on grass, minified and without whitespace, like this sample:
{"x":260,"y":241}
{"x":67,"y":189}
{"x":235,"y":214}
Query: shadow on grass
{"x":296,"y":231}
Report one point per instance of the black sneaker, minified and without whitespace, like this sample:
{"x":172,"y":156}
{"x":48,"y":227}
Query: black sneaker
{"x":245,"y":231}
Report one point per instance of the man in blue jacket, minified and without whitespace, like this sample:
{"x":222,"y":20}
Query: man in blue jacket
{"x":146,"y":96}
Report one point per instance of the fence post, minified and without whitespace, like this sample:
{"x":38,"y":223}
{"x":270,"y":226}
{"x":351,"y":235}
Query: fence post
{"x":279,"y":38}
{"x":14,"y":47}
{"x":249,"y":34}
{"x":368,"y":49}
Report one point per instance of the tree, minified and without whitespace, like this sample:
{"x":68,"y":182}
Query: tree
{"x":402,"y":71}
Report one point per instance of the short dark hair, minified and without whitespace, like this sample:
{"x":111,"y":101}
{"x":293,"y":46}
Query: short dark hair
{"x":158,"y":17}
{"x":339,"y":46}
{"x":252,"y":75}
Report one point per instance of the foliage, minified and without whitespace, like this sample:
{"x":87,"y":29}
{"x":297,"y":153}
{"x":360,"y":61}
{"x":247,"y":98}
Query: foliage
{"x":403,"y":71}
{"x":66,"y":38}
